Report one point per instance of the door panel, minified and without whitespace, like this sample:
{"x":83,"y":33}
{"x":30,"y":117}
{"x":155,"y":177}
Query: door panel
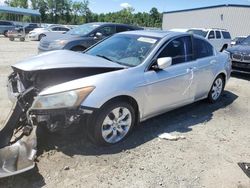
{"x":166,"y":89}
{"x":206,"y":61}
{"x":204,"y":75}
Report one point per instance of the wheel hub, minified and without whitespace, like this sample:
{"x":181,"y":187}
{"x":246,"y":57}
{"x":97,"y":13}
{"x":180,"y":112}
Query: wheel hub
{"x":116,"y":125}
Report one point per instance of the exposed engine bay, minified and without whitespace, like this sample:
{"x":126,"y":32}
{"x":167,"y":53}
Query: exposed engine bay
{"x":18,"y":143}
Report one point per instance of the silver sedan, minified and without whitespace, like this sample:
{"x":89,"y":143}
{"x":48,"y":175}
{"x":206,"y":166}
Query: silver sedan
{"x":115,"y":84}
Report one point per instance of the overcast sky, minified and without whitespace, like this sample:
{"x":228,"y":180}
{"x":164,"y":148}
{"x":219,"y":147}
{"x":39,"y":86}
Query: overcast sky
{"x":104,"y":6}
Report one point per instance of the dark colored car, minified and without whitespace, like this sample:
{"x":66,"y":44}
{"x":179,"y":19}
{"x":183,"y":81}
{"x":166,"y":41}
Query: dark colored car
{"x":240,"y":55}
{"x":27,"y":28}
{"x":30,"y":27}
{"x":5,"y":26}
{"x":237,"y":40}
{"x":82,"y":37}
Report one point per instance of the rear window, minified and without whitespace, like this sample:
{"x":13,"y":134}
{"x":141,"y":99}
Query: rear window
{"x":122,"y":29}
{"x":198,"y":32}
{"x":226,"y":35}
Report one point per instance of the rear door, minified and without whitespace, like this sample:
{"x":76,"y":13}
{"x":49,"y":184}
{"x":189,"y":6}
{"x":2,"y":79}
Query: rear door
{"x":220,"y":41}
{"x":212,"y":39}
{"x":204,"y":54}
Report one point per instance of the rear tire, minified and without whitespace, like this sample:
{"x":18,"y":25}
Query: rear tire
{"x":11,"y":38}
{"x":216,"y":89}
{"x":112,"y":123}
{"x":22,"y":39}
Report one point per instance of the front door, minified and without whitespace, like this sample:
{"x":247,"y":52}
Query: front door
{"x":175,"y":85}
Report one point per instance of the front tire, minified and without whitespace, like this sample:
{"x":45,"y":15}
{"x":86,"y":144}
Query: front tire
{"x":112,"y":123}
{"x":216,"y":89}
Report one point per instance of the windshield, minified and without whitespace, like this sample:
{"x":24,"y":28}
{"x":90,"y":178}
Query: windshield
{"x":83,"y":29}
{"x":246,"y":41}
{"x":128,"y":50}
{"x":198,"y":32}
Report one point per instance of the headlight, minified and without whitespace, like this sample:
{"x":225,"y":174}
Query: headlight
{"x":62,"y":100}
{"x":57,"y":44}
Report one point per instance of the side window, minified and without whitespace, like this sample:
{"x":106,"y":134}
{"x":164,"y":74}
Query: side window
{"x":202,"y":48}
{"x":211,"y":35}
{"x":226,"y":35}
{"x":218,"y":35}
{"x":122,"y":29}
{"x":179,"y":49}
{"x":54,"y":29}
{"x":107,"y":30}
{"x":63,"y":29}
{"x":4,"y":23}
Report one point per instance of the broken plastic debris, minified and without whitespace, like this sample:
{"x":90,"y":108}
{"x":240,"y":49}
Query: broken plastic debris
{"x":168,"y":136}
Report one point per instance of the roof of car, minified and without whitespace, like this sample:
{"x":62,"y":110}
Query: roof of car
{"x":152,"y":33}
{"x":110,"y":23}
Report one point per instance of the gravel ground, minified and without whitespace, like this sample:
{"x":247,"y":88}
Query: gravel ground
{"x":217,"y":138}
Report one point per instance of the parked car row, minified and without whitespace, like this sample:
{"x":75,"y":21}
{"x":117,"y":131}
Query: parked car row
{"x":82,"y":37}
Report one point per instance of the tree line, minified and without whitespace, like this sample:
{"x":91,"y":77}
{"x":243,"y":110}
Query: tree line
{"x":78,"y":12}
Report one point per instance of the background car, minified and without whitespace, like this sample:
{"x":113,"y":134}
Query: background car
{"x":219,"y":38}
{"x":237,"y":40}
{"x":39,"y":33}
{"x":82,"y":37}
{"x":240,"y":55}
{"x":30,"y":27}
{"x":5,"y":26}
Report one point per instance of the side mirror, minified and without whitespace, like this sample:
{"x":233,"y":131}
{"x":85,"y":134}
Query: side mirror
{"x":164,"y":62}
{"x":98,"y":35}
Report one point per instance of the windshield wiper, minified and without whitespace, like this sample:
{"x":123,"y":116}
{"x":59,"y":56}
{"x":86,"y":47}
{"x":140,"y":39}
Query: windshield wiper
{"x":104,"y":57}
{"x":120,"y":63}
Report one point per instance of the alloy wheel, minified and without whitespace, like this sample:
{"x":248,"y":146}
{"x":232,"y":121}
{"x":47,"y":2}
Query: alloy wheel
{"x":217,"y":88}
{"x":116,"y":125}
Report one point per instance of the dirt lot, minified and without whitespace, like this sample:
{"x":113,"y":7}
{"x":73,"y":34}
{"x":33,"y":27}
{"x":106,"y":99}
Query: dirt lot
{"x":217,"y":138}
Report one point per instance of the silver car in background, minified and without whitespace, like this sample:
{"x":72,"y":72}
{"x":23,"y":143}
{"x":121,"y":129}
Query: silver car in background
{"x":123,"y":80}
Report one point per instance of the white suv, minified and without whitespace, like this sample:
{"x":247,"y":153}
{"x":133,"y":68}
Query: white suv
{"x":219,"y":38}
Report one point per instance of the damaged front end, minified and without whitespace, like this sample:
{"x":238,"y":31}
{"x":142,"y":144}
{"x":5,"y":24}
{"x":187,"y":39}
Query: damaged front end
{"x":18,"y":141}
{"x":18,"y":137}
{"x":35,"y":107}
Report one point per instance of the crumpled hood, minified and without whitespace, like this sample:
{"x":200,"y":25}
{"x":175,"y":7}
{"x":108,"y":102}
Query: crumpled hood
{"x":240,"y":49}
{"x":64,"y":59}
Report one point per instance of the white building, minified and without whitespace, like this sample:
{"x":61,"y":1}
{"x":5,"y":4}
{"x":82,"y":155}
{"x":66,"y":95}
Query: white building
{"x":234,"y":18}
